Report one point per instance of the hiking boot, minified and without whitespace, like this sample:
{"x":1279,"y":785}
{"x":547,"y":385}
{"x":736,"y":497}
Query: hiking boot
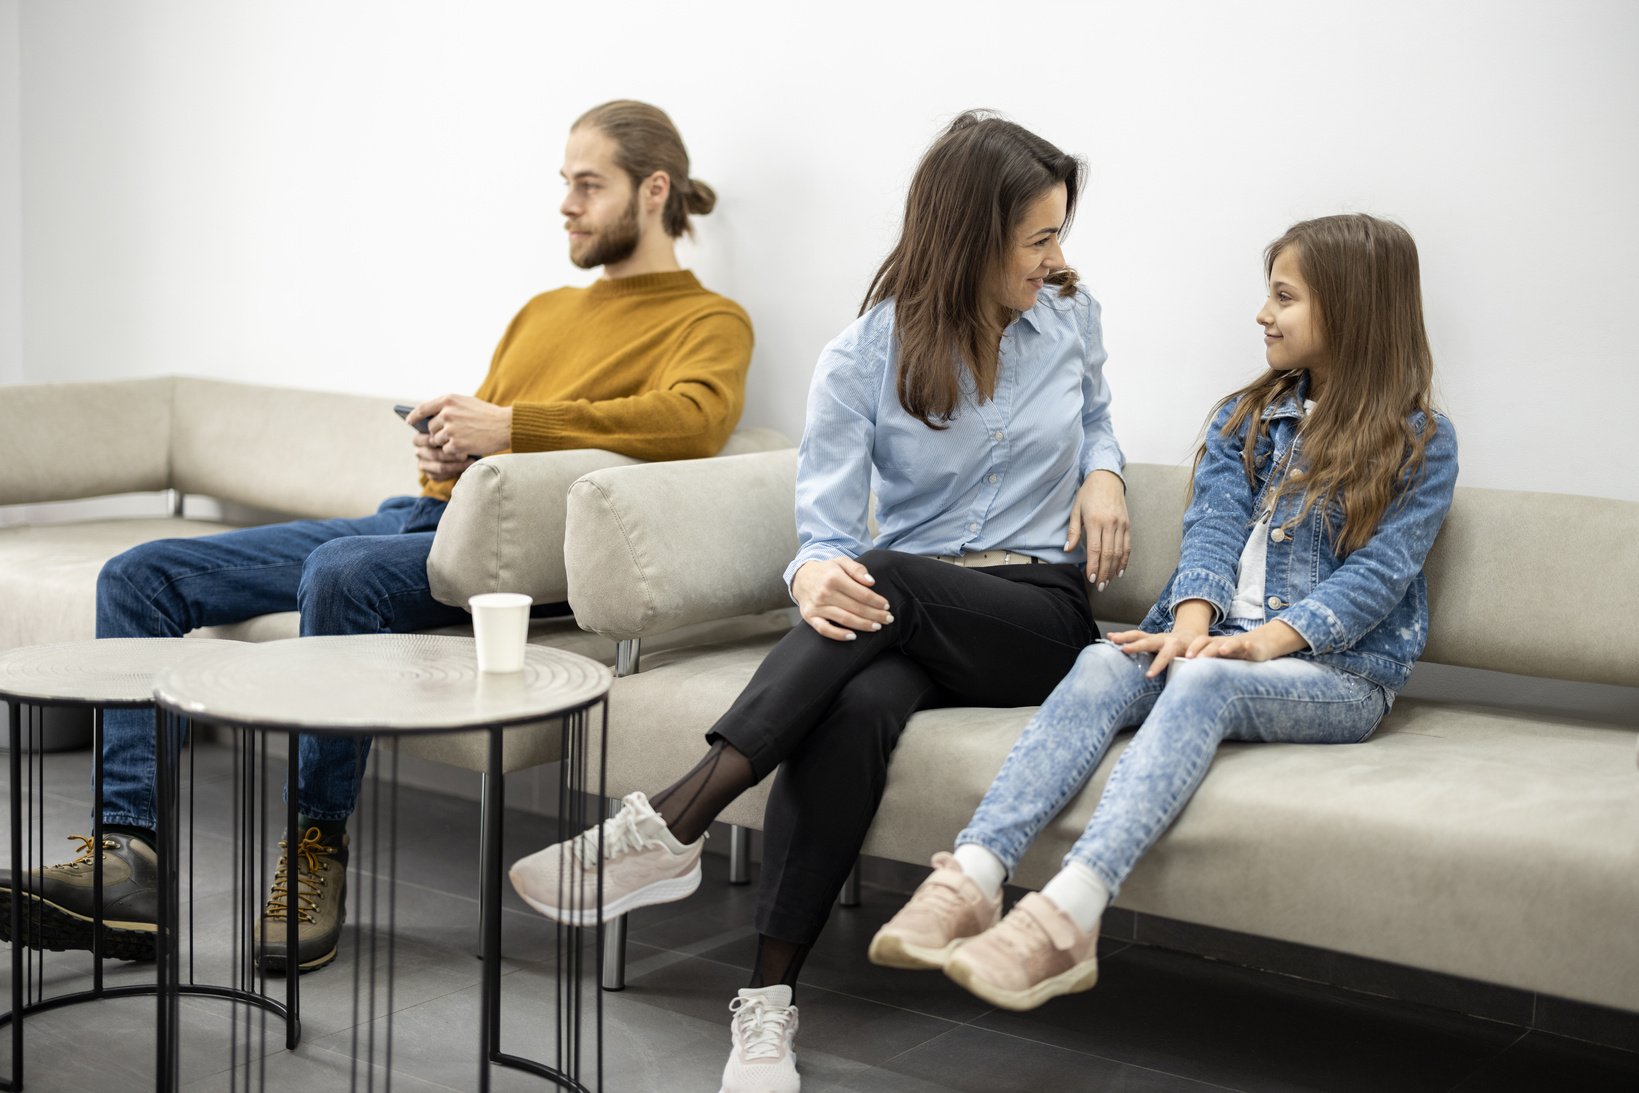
{"x":1037,"y":952}
{"x":58,"y":905}
{"x":946,"y":910}
{"x":642,"y":865}
{"x":320,"y":905}
{"x":764,"y":1059}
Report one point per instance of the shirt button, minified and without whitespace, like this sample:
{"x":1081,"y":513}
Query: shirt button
{"x":1278,"y":535}
{"x":997,"y":435}
{"x":973,"y":527}
{"x":993,"y":479}
{"x":1276,"y":603}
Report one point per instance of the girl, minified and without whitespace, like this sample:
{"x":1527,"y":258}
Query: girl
{"x":972,"y":389}
{"x":1295,"y":613}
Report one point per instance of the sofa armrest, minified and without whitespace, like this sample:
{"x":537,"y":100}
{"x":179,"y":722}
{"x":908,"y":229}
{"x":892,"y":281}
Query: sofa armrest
{"x":654,"y":547}
{"x":504,"y":528}
{"x":65,"y":441}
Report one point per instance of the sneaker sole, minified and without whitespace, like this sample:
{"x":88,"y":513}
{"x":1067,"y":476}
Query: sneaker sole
{"x":49,"y":926}
{"x":892,"y":951}
{"x":661,"y":891}
{"x":277,"y":965}
{"x":1080,"y":977}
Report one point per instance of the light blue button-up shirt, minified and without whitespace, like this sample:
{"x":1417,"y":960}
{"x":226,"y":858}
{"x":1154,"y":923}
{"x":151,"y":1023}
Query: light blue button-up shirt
{"x":1004,"y":473}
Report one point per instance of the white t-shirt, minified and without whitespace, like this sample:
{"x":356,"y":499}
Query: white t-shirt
{"x":1249,"y":576}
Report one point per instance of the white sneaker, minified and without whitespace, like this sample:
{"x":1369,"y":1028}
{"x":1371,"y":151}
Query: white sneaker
{"x":764,"y":1059}
{"x":642,"y":865}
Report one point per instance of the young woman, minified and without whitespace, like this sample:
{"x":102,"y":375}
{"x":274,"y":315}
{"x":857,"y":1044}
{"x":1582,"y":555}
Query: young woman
{"x":971,"y":387}
{"x":1295,"y":613}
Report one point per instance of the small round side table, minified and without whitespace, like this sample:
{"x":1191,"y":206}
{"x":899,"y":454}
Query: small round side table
{"x":114,"y":673}
{"x":401,"y":685}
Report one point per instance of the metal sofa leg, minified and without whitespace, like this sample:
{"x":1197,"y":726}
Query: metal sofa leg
{"x":739,"y":855}
{"x":614,"y":938}
{"x":850,"y":888}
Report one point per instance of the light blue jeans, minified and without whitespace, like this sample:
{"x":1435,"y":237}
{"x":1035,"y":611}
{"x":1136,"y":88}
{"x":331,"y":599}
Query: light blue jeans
{"x":1181,"y":717}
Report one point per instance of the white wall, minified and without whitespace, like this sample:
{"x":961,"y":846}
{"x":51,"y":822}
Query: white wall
{"x":358,"y":196}
{"x":11,"y":201}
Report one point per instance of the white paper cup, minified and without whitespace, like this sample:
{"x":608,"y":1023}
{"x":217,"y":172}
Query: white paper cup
{"x":500,"y":623}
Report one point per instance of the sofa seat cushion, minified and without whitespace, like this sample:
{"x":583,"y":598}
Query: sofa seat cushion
{"x":1476,"y":841}
{"x":48,"y":572}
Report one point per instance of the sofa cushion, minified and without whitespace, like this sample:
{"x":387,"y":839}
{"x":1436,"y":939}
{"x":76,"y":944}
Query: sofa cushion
{"x":48,"y":573}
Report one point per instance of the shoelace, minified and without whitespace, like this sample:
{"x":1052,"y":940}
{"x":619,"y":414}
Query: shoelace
{"x":620,"y":835}
{"x":83,"y":858}
{"x":941,"y":898}
{"x":760,"y":1028}
{"x":315,"y":857}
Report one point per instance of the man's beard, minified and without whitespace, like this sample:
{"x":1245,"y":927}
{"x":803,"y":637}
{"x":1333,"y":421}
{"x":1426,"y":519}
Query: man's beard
{"x":614,"y":243}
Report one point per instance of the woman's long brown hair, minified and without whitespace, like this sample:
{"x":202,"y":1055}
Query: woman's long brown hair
{"x":966,"y":200}
{"x":1361,"y":446}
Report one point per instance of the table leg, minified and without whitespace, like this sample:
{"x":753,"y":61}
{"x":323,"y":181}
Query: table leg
{"x":14,"y":719}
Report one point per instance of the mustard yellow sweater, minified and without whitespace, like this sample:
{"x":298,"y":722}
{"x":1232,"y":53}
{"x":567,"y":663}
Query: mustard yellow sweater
{"x":652,"y":366}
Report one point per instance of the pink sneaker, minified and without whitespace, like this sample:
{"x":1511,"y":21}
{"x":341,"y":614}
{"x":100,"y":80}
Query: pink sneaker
{"x":642,"y":865}
{"x":945,"y":911}
{"x":1037,"y":952}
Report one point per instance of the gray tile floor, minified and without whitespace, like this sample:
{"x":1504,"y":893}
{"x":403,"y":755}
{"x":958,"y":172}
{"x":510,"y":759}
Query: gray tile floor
{"x":1159,"y":1020}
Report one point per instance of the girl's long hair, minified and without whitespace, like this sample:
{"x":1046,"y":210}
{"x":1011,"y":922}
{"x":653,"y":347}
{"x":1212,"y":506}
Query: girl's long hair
{"x":1361,"y":446}
{"x":966,"y":200}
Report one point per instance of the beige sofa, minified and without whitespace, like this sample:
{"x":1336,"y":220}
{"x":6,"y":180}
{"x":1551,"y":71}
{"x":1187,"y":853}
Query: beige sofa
{"x":1487,"y":843}
{"x":263,"y":453}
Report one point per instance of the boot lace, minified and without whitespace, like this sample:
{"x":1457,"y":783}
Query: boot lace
{"x":761,"y":1028}
{"x":85,"y":856}
{"x":314,"y":855}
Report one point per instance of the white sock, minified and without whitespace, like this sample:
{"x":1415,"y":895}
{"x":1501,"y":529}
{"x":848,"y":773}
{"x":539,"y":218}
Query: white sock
{"x":1079,"y":893}
{"x":983,"y":867}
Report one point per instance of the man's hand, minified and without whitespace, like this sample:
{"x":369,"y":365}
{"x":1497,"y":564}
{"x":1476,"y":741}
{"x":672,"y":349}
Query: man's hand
{"x":1099,"y":515}
{"x":435,"y":463}
{"x":1266,"y":642}
{"x":836,"y":599}
{"x":463,"y":426}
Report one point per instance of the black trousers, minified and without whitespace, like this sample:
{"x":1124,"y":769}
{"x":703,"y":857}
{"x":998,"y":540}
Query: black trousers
{"x":829,"y":713}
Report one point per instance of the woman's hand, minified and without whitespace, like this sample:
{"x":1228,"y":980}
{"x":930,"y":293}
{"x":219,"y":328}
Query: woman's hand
{"x":1266,"y":642}
{"x":435,"y":462}
{"x":1099,"y":515}
{"x":836,"y":599}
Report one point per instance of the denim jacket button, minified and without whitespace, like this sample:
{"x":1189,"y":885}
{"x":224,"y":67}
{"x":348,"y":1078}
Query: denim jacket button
{"x":1278,"y":535}
{"x":1276,"y":603}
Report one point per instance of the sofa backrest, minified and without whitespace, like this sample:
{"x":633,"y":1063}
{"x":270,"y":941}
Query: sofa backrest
{"x":302,"y":453}
{"x":1530,"y":583}
{"x":67,"y":441}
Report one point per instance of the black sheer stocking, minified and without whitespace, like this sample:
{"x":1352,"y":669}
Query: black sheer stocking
{"x":778,"y":962}
{"x":690,"y":804}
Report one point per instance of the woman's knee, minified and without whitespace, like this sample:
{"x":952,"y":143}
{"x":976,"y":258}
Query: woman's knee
{"x":335,"y":568}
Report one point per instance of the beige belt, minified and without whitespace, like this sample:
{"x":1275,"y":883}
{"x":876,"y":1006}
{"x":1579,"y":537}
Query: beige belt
{"x":984,"y":559}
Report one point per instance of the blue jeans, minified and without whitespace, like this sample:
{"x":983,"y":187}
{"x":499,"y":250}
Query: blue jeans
{"x":1181,"y":715}
{"x":359,"y":576}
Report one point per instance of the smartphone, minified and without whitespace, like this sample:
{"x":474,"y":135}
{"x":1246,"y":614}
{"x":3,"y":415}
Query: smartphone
{"x":404,"y":412}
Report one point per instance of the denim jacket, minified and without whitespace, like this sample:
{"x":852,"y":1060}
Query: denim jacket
{"x":1367,"y":613}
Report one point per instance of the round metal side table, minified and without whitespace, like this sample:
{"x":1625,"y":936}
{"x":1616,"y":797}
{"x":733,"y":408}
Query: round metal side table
{"x":399,"y":685}
{"x":116,"y":673}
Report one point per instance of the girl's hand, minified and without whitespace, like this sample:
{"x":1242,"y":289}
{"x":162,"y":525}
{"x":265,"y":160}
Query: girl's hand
{"x":1099,"y":515}
{"x":1166,"y":647}
{"x":1266,"y":642}
{"x":835,"y":598}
